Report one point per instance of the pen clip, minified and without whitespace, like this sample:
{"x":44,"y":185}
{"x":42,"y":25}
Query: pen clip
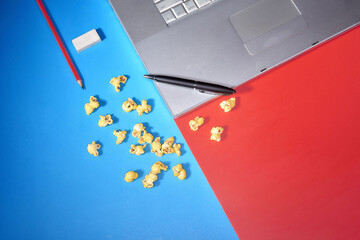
{"x":208,"y":92}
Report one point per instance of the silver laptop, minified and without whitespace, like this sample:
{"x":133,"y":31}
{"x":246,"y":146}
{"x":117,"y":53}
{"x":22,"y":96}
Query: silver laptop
{"x":226,"y":41}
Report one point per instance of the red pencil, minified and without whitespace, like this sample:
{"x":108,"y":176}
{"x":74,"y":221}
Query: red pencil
{"x":61,"y":44}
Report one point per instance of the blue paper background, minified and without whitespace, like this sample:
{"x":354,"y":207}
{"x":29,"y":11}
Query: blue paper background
{"x":51,"y":188}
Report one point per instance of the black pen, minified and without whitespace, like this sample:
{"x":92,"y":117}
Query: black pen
{"x":203,"y":87}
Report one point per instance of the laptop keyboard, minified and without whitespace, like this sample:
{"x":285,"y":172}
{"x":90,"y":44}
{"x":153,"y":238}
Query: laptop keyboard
{"x":172,"y":10}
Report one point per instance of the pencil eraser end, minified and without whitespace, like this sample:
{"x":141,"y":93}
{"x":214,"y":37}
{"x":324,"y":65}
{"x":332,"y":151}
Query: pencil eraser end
{"x":86,"y":40}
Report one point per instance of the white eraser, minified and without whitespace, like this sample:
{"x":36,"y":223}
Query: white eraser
{"x":86,"y":40}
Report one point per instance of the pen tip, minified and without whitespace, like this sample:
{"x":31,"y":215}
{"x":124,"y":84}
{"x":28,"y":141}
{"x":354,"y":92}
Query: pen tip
{"x":146,"y":76}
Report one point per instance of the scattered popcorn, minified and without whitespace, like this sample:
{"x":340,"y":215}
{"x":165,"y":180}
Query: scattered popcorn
{"x":179,"y":171}
{"x":167,"y":146}
{"x":159,"y":149}
{"x":131,"y":176}
{"x":137,"y":129}
{"x":146,"y":138}
{"x":156,"y":147}
{"x":115,"y":81}
{"x":196,"y":123}
{"x":105,"y":120}
{"x":149,"y":180}
{"x":120,"y":136}
{"x":144,"y":107}
{"x":93,"y":148}
{"x":138,"y":149}
{"x":228,"y":105}
{"x":216,"y":133}
{"x":129,"y":105}
{"x":176,"y":148}
{"x":89,"y":107}
{"x":157,"y":167}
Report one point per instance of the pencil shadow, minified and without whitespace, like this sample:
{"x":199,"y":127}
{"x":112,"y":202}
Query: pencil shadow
{"x":101,"y":34}
{"x":64,"y":43}
{"x":82,"y":79}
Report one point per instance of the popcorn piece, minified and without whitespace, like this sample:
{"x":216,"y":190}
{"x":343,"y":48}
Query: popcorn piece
{"x":89,"y":107}
{"x":167,"y":146}
{"x":115,"y":81}
{"x":196,"y":123}
{"x":176,"y":148}
{"x":137,"y":129}
{"x":144,"y":107}
{"x":120,"y":136}
{"x":216,"y":133}
{"x":149,"y":180}
{"x":179,"y":171}
{"x":105,"y":120}
{"x":93,"y":148}
{"x":138,"y":149}
{"x":228,"y":104}
{"x":131,"y":176}
{"x":129,"y":105}
{"x":156,"y":147}
{"x":157,"y":167}
{"x":146,"y":138}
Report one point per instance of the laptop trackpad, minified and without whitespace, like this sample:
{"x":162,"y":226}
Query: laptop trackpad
{"x":267,"y":23}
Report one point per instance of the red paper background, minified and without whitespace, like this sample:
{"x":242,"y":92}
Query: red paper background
{"x":288,"y":166}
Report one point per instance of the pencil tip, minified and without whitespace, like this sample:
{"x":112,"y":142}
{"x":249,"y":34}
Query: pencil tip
{"x":80,"y":83}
